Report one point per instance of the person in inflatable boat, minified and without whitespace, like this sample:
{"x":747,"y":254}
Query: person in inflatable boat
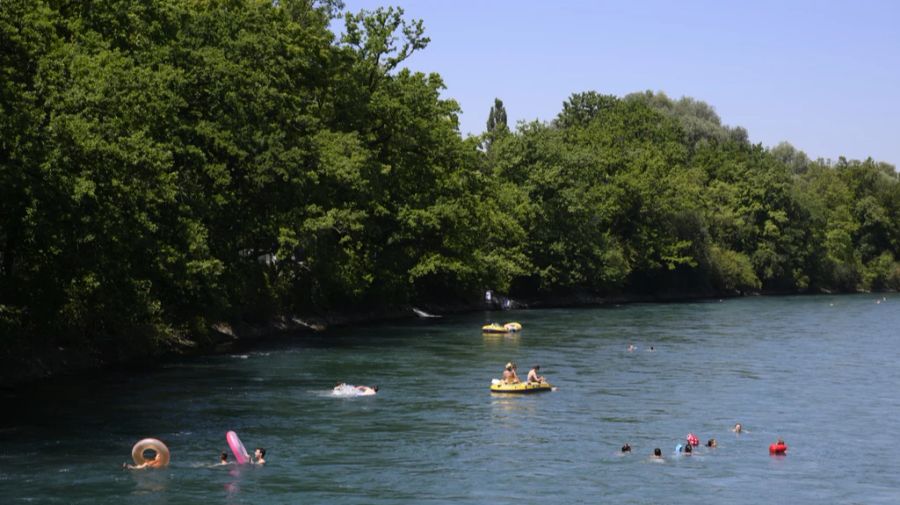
{"x":509,"y":374}
{"x":533,"y":374}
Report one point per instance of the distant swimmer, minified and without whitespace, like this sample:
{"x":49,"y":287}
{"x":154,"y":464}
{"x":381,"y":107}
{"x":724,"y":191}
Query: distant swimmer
{"x":657,"y":453}
{"x":223,"y":458}
{"x":626,"y":449}
{"x":631,"y":348}
{"x":260,"y":455}
{"x":711,"y":443}
{"x":651,"y":349}
{"x":688,"y":450}
{"x":349,"y":390}
{"x":533,"y":374}
{"x":738,"y":428}
{"x":509,"y":374}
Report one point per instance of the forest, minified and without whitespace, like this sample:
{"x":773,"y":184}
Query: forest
{"x":169,"y":165}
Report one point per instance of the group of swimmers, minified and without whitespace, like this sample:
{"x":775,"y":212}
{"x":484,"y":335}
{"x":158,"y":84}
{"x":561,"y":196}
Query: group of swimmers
{"x":259,"y":457}
{"x":158,"y":461}
{"x":691,"y":441}
{"x":510,"y":376}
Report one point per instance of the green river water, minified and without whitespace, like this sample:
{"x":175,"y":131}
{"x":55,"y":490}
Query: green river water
{"x":820,"y":371}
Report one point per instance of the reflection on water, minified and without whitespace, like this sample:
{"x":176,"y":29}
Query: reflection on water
{"x":501,"y":339}
{"x":149,"y":481}
{"x":435,"y":433}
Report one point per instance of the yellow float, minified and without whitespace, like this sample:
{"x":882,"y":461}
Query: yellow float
{"x":498,"y":386}
{"x":494,"y":328}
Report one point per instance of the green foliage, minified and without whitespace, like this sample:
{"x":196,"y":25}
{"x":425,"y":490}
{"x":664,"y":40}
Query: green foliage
{"x":168,"y":165}
{"x":731,"y":270}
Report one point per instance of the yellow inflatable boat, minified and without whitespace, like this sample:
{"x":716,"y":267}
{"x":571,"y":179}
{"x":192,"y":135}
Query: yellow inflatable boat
{"x":495,"y":328}
{"x":498,"y":386}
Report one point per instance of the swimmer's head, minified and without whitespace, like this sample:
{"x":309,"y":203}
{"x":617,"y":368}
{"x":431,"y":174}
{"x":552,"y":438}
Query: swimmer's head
{"x":687,"y":448}
{"x":509,"y":366}
{"x":260,"y":452}
{"x":537,"y":367}
{"x":375,"y":388}
{"x":224,"y":456}
{"x":626,"y":448}
{"x":657,"y":452}
{"x":711,"y":443}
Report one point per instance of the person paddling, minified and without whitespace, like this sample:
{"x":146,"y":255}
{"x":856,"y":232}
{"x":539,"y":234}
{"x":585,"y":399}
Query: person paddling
{"x":533,"y":374}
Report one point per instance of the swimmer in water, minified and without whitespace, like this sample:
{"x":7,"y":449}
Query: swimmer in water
{"x":711,"y":443}
{"x":631,"y":348}
{"x":509,"y":374}
{"x":626,"y":449}
{"x":156,"y":462}
{"x":687,"y":450}
{"x":533,"y":376}
{"x":738,"y":428}
{"x":367,"y":390}
{"x":651,"y":349}
{"x":223,"y":458}
{"x":260,"y":455}
{"x":657,"y":453}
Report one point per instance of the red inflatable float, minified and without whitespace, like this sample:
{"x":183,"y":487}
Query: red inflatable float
{"x":778,"y":448}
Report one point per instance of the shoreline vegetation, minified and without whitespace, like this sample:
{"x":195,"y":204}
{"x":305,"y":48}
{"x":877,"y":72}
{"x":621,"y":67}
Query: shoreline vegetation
{"x":176,"y":175}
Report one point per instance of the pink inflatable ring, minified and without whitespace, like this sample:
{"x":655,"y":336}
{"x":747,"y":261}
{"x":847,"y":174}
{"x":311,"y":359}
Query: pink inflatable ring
{"x":237,"y":448}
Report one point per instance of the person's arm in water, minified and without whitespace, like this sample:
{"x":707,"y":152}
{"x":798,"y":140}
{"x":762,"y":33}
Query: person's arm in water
{"x":153,"y":463}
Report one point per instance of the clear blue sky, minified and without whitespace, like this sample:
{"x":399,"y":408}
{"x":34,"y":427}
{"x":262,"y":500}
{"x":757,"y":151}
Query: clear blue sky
{"x":825,"y":76}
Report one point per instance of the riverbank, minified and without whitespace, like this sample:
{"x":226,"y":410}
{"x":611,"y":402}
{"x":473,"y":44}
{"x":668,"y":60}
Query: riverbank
{"x":47,"y":363}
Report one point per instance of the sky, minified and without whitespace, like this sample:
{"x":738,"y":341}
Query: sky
{"x":824,"y":76}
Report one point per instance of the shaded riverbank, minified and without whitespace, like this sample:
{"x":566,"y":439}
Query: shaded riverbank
{"x":40,"y":364}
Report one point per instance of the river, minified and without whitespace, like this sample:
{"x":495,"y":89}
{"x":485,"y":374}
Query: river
{"x":820,"y":371}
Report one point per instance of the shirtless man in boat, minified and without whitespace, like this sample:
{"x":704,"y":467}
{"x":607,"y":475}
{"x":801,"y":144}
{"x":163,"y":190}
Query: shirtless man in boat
{"x":533,"y":374}
{"x":509,"y":374}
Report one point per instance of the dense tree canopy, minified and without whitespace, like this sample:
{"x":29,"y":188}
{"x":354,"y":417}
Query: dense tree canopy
{"x":168,"y":165}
